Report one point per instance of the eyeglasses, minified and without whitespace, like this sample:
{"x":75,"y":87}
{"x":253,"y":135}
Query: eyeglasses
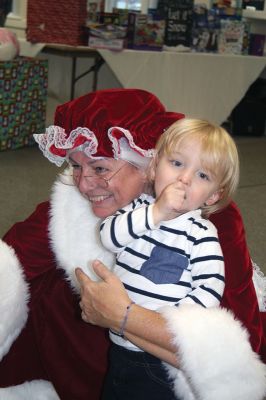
{"x":73,"y":178}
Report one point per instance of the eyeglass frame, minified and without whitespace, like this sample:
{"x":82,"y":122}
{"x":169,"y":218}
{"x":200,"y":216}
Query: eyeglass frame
{"x":106,"y":180}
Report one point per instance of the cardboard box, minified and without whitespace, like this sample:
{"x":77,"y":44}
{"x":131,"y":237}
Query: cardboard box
{"x":257,"y":44}
{"x":60,"y":21}
{"x":23,"y":97}
{"x":111,"y":44}
{"x":231,"y":37}
{"x":179,"y":18}
{"x":144,"y":32}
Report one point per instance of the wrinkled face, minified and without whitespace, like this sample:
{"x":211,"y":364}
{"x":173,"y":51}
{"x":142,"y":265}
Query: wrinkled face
{"x":185,"y":165}
{"x":121,"y":184}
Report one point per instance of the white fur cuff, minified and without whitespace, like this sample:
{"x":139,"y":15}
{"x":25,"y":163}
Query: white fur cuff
{"x":216,"y":359}
{"x":34,"y":390}
{"x":13,"y":298}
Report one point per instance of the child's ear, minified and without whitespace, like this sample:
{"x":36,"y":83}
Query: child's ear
{"x":216,"y":196}
{"x":152,"y":168}
{"x":150,"y":177}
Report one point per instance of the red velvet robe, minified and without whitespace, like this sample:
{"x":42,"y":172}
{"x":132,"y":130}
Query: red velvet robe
{"x":56,"y":345}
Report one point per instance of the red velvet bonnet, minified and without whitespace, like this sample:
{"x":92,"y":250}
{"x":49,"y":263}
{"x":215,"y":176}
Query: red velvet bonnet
{"x":102,"y":118}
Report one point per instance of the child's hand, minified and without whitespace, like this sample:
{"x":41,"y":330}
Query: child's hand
{"x":170,"y":203}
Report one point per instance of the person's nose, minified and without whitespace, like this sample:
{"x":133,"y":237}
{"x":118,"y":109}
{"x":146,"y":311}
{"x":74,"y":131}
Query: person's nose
{"x":185,"y":177}
{"x":85,"y":184}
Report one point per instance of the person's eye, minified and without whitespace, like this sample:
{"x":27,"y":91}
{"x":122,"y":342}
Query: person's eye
{"x":76,"y":167}
{"x":100,"y":170}
{"x":204,"y":176}
{"x":176,"y":163}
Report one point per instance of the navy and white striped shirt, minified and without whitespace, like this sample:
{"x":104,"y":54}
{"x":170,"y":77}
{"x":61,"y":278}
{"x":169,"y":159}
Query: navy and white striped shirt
{"x":178,"y":261}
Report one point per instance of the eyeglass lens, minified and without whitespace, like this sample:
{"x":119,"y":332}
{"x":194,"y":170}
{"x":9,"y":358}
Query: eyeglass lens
{"x":103,"y":180}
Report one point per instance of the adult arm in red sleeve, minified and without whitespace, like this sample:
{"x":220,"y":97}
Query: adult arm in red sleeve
{"x":239,"y":295}
{"x":55,"y":344}
{"x":30,"y":241}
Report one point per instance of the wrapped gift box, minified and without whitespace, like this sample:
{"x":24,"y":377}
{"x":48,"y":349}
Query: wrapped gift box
{"x":23,"y":97}
{"x":60,"y":21}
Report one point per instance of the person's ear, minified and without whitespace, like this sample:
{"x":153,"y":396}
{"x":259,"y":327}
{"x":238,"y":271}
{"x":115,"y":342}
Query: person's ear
{"x":214,"y":198}
{"x":152,"y":168}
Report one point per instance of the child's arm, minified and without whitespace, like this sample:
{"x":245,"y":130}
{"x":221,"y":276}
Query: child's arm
{"x":207,"y":271}
{"x":128,"y":224}
{"x":170,"y":203}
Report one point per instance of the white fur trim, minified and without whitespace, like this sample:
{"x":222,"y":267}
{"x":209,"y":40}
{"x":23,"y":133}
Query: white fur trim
{"x":13,"y":298}
{"x":259,"y":281}
{"x":215,"y":355}
{"x":74,"y":233}
{"x":33,"y":390}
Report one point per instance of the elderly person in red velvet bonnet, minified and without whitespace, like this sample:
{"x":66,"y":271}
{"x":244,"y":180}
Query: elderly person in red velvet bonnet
{"x":47,"y":346}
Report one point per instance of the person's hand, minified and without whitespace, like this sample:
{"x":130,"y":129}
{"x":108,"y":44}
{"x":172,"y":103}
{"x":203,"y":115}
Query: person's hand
{"x":170,"y":203}
{"x":102,"y":303}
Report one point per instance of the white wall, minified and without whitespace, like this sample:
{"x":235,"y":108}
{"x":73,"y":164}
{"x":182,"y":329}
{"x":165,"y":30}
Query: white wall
{"x":60,"y":75}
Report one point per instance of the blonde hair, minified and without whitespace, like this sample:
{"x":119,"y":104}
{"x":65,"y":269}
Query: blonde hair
{"x":219,"y":154}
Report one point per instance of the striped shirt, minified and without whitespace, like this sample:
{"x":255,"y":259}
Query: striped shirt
{"x":178,"y":261}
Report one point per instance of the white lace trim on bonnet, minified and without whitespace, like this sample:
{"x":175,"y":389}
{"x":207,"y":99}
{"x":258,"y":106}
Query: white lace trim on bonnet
{"x":56,"y":136}
{"x":123,"y":148}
